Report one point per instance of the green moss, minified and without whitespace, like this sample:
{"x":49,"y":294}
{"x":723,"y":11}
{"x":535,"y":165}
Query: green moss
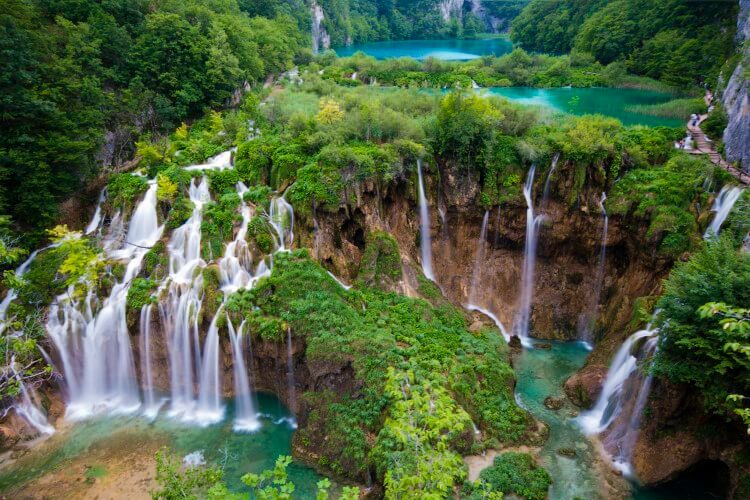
{"x":260,"y":196}
{"x":217,"y":226}
{"x":212,"y":295}
{"x":123,"y":189}
{"x":180,"y":212}
{"x":381,"y":262}
{"x":140,"y":293}
{"x":259,"y":232}
{"x":223,"y":181}
{"x":155,"y":261}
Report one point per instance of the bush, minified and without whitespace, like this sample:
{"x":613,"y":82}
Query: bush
{"x":140,"y":293}
{"x":716,"y":123}
{"x":517,"y":473}
{"x":691,"y":347}
{"x":381,"y":263}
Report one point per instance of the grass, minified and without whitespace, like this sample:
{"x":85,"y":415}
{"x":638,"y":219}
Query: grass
{"x":675,"y":108}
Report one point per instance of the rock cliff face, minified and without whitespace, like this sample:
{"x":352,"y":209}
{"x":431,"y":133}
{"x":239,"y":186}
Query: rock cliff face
{"x":735,"y":97}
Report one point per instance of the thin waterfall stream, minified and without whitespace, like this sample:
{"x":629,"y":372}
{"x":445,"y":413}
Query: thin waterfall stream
{"x":425,"y":245}
{"x":722,"y":207}
{"x":523,"y":317}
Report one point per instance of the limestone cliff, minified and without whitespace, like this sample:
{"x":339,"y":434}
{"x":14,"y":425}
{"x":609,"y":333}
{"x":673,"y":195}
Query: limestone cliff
{"x":735,"y":97}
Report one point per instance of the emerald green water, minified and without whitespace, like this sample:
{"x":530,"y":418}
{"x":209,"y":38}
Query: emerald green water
{"x":541,"y":373}
{"x":447,"y":50}
{"x":598,"y":100}
{"x":237,"y":453}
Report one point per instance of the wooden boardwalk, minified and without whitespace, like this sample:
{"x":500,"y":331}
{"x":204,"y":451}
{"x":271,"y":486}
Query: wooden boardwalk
{"x":702,"y":145}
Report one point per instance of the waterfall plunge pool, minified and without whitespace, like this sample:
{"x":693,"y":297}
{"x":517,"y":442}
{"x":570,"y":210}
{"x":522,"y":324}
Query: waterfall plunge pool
{"x":112,"y":456}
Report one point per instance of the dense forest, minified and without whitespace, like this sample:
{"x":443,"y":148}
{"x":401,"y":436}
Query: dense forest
{"x":678,"y":41}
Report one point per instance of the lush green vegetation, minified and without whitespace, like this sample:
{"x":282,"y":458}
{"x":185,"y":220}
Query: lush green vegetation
{"x":666,"y":197}
{"x":698,"y":346}
{"x":679,"y":42}
{"x":676,"y":108}
{"x":519,"y":68}
{"x":74,"y":70}
{"x":512,"y":473}
{"x":421,"y":376}
{"x":205,"y":482}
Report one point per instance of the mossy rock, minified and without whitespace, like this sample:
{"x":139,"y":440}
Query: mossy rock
{"x":381,"y":263}
{"x":259,"y":235}
{"x":212,"y":295}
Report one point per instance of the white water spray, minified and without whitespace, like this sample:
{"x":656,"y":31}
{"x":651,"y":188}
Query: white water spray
{"x":723,"y":205}
{"x":529,"y":261}
{"x":247,"y":417}
{"x":424,"y":227}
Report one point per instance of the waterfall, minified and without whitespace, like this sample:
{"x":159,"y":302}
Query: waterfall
{"x":209,"y":409}
{"x":494,"y":318}
{"x":247,"y":417}
{"x":291,"y":388}
{"x":341,"y":283}
{"x":612,"y":398}
{"x":282,"y":221}
{"x":320,"y":37}
{"x":588,"y":319}
{"x":723,"y":204}
{"x":28,"y":408}
{"x":96,"y":220}
{"x":424,"y":227}
{"x":151,"y":407}
{"x":478,"y":259}
{"x":181,"y":311}
{"x":624,"y":434}
{"x":552,"y":168}
{"x":12,"y":294}
{"x":237,"y":259}
{"x":95,"y":347}
{"x":529,"y":261}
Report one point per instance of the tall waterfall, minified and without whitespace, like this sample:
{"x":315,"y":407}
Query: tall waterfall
{"x":529,"y":261}
{"x":478,"y":259}
{"x":247,"y":417}
{"x":210,"y":409}
{"x":151,"y":407}
{"x":587,"y":320}
{"x":723,"y":205}
{"x":618,"y":410}
{"x":424,"y":227}
{"x":282,"y":221}
{"x":94,"y":345}
{"x":180,"y":313}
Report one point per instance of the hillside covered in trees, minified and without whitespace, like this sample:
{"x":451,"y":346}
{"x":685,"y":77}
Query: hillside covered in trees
{"x":681,"y":42}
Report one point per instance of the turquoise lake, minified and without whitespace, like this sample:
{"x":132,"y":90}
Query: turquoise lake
{"x":447,"y":50}
{"x":598,"y":100}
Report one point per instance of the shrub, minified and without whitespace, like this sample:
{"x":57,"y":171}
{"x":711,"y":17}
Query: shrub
{"x":123,"y":189}
{"x":517,"y":473}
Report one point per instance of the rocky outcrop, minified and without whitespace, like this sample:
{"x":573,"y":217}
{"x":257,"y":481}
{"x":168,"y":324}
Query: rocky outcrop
{"x":735,"y":97}
{"x":677,"y":436}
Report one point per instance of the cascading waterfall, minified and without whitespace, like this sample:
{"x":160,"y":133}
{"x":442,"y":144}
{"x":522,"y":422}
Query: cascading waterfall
{"x":96,"y":220}
{"x":552,"y":168}
{"x":588,"y":319}
{"x":624,"y":431}
{"x":247,"y":417}
{"x":181,"y":311}
{"x":723,"y":205}
{"x":210,"y":409}
{"x":94,"y":347}
{"x":151,"y":407}
{"x":612,"y":399}
{"x":282,"y":221}
{"x":529,"y":261}
{"x":28,"y":408}
{"x":478,"y":260}
{"x":424,"y":227}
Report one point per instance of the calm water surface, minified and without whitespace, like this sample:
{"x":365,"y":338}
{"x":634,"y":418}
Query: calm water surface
{"x":598,"y":100}
{"x":447,"y":50}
